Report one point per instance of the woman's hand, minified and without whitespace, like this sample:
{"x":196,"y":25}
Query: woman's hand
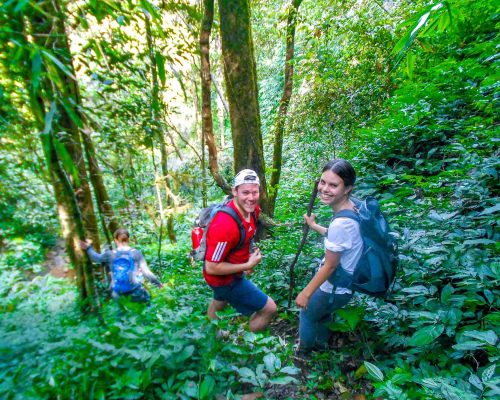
{"x":310,"y":220}
{"x":302,"y":300}
{"x":84,"y":245}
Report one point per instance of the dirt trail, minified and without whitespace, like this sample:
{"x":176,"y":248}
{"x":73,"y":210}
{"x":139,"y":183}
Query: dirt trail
{"x":57,"y":262}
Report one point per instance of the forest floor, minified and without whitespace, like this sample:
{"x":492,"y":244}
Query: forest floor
{"x":57,"y":265}
{"x":57,"y":262}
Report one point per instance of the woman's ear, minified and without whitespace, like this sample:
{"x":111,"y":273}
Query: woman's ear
{"x":348,"y":190}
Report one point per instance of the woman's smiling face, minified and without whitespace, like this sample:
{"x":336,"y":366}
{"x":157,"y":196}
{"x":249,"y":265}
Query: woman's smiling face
{"x":331,"y":189}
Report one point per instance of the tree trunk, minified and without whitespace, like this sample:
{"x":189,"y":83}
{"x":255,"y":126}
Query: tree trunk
{"x":110,"y":223}
{"x":241,"y":87}
{"x":158,"y":133}
{"x":206,"y":100}
{"x":73,"y":229}
{"x":57,"y":90}
{"x":283,"y":107}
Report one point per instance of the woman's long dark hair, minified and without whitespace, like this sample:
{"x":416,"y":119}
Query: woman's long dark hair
{"x":343,"y":169}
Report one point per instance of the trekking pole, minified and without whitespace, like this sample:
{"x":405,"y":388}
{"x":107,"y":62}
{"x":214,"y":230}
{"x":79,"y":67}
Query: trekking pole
{"x":305,"y":231}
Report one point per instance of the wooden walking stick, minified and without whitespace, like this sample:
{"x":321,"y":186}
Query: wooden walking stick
{"x":305,"y":231}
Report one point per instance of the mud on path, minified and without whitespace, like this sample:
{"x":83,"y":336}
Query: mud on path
{"x":57,"y":262}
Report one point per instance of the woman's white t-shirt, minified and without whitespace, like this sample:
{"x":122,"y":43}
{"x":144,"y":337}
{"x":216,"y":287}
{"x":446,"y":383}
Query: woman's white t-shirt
{"x":344,"y":238}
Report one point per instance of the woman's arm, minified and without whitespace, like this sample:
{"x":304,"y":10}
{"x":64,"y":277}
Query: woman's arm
{"x":94,"y":255}
{"x":148,"y":274}
{"x":332,"y":260}
{"x":311,"y":221}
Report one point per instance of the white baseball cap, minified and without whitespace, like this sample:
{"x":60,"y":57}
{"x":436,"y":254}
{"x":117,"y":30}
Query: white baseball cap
{"x":246,"y":176}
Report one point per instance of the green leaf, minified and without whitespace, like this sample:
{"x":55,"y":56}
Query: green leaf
{"x":67,"y":161}
{"x":474,"y":242}
{"x":426,"y":335}
{"x":410,"y":64}
{"x":283,"y":380}
{"x":290,"y":370}
{"x":476,"y":382}
{"x":446,"y":294}
{"x":374,"y":371}
{"x":49,"y":117}
{"x":72,"y":114}
{"x":490,"y":210}
{"x":186,"y":353}
{"x":488,"y":373}
{"x":160,"y":66}
{"x":489,"y":337}
{"x":59,"y":64}
{"x":352,"y":315}
{"x":151,"y":9}
{"x":469,"y":345}
{"x":270,"y":361}
{"x":207,"y":387}
{"x":36,"y":68}
{"x":246,"y":372}
{"x":21,"y":4}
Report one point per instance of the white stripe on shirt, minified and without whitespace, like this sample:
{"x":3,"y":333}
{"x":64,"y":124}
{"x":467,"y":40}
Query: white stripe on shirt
{"x":219,"y":250}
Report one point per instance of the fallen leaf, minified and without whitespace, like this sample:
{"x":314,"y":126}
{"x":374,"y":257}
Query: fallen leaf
{"x":252,"y":396}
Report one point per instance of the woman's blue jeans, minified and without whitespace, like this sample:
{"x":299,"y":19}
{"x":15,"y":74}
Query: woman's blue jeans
{"x":313,"y":331}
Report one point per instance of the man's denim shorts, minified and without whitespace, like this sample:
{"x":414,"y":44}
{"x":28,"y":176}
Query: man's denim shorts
{"x":242,"y":294}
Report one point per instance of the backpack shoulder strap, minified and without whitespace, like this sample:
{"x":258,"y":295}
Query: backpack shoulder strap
{"x":347,"y":214}
{"x":234,"y":215}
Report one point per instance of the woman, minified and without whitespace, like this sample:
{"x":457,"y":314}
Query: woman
{"x":126,"y":254}
{"x":329,"y":290}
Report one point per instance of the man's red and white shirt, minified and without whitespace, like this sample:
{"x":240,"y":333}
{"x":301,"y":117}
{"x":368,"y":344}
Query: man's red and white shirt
{"x":224,"y":235}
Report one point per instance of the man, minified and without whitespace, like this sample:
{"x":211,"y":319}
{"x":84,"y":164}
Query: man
{"x":226,"y":265}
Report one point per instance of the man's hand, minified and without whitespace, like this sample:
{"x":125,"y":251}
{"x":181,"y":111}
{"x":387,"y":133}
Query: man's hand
{"x":302,"y":300}
{"x":85,"y":244}
{"x":254,"y":259}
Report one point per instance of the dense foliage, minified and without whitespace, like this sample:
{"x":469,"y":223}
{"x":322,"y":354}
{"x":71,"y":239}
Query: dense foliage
{"x":413,"y":105}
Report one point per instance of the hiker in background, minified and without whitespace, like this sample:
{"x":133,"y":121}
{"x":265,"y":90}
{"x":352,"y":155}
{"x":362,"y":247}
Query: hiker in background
{"x":327,"y":291}
{"x":226,"y":265}
{"x":128,"y":268}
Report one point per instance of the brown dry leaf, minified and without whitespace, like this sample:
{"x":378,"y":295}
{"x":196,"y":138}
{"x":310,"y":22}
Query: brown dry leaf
{"x":341,"y":388}
{"x":359,"y":397}
{"x":252,"y":396}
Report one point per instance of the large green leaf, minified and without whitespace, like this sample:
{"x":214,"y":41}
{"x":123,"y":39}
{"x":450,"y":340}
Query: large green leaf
{"x":70,"y":109}
{"x":426,"y":335}
{"x":36,"y":68}
{"x":207,"y":387}
{"x":53,"y":59}
{"x":374,"y":371}
{"x":160,"y":66}
{"x":66,"y":160}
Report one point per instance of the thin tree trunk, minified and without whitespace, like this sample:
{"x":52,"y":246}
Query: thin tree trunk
{"x":204,"y":192}
{"x":241,"y":87}
{"x":206,"y":101}
{"x":283,"y":107}
{"x":171,"y":202}
{"x":158,"y":133}
{"x":221,"y":108}
{"x":110,"y":223}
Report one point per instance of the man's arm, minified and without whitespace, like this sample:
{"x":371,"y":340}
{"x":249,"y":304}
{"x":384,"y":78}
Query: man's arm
{"x":225,"y":268}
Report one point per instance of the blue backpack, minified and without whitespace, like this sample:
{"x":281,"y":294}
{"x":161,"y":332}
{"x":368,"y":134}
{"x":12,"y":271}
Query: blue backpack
{"x":376,"y":269}
{"x":122,"y":271}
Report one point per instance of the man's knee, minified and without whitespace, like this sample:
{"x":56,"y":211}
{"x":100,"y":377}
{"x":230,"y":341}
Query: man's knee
{"x":270,"y":307}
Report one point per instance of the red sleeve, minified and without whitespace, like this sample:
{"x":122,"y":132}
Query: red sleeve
{"x":222,"y":236}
